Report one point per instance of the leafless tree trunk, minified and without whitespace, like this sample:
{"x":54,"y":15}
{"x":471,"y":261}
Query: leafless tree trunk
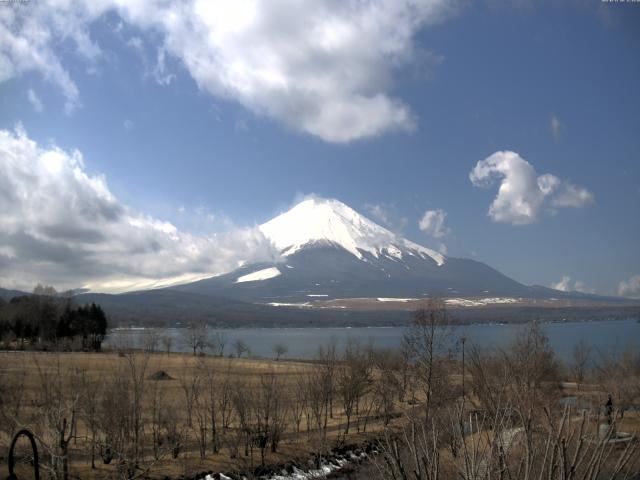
{"x":300,"y":400}
{"x":195,"y":337}
{"x":136,"y":366}
{"x":581,"y":358}
{"x":318,"y":388}
{"x":353,"y":380}
{"x":425,"y":342}
{"x":58,"y":403}
{"x":279,"y":350}
{"x":217,"y":343}
{"x":167,"y":341}
{"x":190,"y":385}
{"x":89,"y":402}
{"x":328,"y":357}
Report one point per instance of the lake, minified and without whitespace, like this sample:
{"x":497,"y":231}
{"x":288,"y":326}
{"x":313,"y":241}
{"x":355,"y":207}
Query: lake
{"x":605,"y":336}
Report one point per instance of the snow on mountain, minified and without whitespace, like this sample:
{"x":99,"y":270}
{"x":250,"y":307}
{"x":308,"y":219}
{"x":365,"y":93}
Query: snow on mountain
{"x":317,"y":220}
{"x":332,"y":252}
{"x":264,"y":274}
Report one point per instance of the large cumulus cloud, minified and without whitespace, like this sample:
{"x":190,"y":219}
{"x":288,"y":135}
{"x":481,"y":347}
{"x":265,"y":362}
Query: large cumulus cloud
{"x":62,"y":226}
{"x":523,"y":193}
{"x":321,"y":67}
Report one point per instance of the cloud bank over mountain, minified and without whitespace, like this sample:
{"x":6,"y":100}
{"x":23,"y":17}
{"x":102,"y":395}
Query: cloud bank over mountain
{"x":63,"y":226}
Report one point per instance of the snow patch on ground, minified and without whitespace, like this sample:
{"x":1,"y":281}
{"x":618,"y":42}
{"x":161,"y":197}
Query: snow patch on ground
{"x":479,"y":302}
{"x":264,"y":274}
{"x":280,"y":304}
{"x":383,"y":299}
{"x":317,"y":295}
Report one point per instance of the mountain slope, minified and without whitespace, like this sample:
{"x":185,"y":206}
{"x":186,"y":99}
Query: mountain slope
{"x":7,"y":295}
{"x":322,"y":271}
{"x":330,"y":251}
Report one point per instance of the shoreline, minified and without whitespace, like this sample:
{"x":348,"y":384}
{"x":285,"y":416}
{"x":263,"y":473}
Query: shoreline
{"x":382,"y":326}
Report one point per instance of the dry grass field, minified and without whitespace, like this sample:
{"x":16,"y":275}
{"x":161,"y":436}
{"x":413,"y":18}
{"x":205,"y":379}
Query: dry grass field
{"x":170,"y":387}
{"x":131,"y":414}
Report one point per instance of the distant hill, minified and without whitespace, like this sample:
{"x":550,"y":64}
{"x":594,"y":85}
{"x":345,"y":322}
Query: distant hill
{"x":9,"y":294}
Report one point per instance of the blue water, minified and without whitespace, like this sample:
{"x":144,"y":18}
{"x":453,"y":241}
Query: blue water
{"x":604,"y":336}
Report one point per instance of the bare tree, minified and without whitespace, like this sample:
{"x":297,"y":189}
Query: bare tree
{"x":167,"y":341}
{"x":533,"y":369}
{"x":279,"y":349}
{"x":269,"y":413}
{"x":190,"y":386}
{"x":240,"y":348}
{"x":318,"y":392}
{"x":158,"y":409}
{"x":89,"y":404}
{"x":619,"y":374}
{"x":201,"y":413}
{"x":299,"y":401}
{"x":494,"y":447}
{"x":225,"y":403}
{"x":58,"y":404}
{"x":580,"y":361}
{"x":217,"y":343}
{"x":353,"y":380}
{"x":151,"y":340}
{"x":388,"y":381}
{"x":328,"y":359}
{"x":136,"y":368}
{"x":195,"y":337}
{"x":425,"y":341}
{"x":12,"y":387}
{"x":242,"y":404}
{"x":211,"y":391}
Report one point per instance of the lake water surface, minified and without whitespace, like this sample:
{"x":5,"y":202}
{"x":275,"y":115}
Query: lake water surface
{"x":605,"y":336}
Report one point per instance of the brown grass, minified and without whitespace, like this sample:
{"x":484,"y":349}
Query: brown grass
{"x":180,"y":367}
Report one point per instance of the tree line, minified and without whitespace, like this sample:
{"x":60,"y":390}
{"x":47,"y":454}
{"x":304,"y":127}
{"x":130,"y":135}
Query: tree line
{"x":46,"y":320}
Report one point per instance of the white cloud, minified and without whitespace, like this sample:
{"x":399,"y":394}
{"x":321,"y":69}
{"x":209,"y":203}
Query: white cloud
{"x":35,"y":101}
{"x":63,"y":226}
{"x":580,"y":286}
{"x":555,"y":126}
{"x":565,"y":285}
{"x":388,"y":216}
{"x":443,"y":249}
{"x":324,"y":68}
{"x":128,"y":125}
{"x":630,"y":288}
{"x":159,"y":70}
{"x":570,"y":195}
{"x":432,"y":223}
{"x":522,"y":192}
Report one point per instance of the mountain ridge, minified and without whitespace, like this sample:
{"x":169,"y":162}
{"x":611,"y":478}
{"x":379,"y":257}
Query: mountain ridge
{"x":329,"y":251}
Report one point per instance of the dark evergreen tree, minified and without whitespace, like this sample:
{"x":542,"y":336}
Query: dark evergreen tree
{"x":43,"y":320}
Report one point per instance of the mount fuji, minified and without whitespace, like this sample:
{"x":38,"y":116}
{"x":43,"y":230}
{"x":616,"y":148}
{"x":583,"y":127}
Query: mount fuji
{"x":329,"y":251}
{"x":335,"y":267}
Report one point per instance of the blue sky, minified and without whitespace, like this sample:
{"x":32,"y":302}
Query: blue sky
{"x":147,"y":106}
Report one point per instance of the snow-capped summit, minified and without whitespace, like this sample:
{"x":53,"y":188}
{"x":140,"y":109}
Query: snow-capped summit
{"x":329,"y":251}
{"x":328,"y":221}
